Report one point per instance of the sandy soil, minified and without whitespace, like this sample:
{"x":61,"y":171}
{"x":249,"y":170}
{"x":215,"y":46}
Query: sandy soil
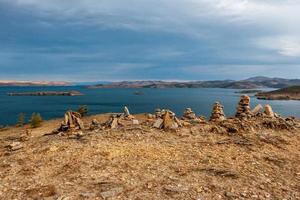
{"x":140,"y":162}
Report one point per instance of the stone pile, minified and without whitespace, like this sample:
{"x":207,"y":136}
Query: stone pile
{"x":95,"y":125}
{"x":72,"y":121}
{"x":122,"y":119}
{"x":243,"y":109}
{"x":217,"y":113}
{"x":189,"y":114}
{"x":166,"y":119}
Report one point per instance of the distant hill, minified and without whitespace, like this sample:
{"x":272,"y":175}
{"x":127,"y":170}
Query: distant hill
{"x":250,"y":83}
{"x":34,"y":83}
{"x":288,"y":93}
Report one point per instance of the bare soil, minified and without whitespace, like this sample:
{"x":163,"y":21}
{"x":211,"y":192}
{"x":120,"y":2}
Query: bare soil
{"x":139,"y":162}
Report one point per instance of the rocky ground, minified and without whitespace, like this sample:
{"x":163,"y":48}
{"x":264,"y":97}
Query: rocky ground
{"x":232,"y":159}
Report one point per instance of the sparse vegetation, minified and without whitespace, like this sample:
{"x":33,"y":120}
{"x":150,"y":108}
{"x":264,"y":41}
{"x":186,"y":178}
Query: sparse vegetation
{"x":36,"y":120}
{"x":83,"y":110}
{"x":21,"y":120}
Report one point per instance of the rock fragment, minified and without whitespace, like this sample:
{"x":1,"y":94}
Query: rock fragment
{"x":15,"y":146}
{"x":158,"y":123}
{"x":95,"y":125}
{"x":126,"y":111}
{"x":112,"y":192}
{"x":269,"y":111}
{"x":257,"y":109}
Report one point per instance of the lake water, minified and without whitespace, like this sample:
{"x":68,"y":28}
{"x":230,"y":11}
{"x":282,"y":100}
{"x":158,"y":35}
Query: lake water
{"x":113,"y":100}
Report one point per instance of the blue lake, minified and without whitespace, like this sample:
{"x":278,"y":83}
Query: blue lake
{"x":113,"y":100}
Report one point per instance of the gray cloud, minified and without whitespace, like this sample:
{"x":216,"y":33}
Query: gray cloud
{"x":115,"y":38}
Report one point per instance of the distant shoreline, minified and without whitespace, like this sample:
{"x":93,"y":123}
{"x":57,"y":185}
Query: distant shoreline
{"x":45,"y":93}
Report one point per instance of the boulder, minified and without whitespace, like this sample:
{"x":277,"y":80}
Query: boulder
{"x":126,"y":111}
{"x":158,"y":123}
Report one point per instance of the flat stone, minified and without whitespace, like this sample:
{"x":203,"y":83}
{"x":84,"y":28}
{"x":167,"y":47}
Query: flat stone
{"x":15,"y":146}
{"x":158,"y":123}
{"x":135,"y":122}
{"x":111,"y":193}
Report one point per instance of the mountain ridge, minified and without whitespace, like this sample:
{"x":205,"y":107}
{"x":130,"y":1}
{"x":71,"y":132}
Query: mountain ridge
{"x":250,"y":83}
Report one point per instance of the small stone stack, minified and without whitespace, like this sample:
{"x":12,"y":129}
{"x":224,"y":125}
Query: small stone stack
{"x":72,"y":121}
{"x":243,"y":108}
{"x":217,"y":113}
{"x":189,"y":114}
{"x":166,"y":119}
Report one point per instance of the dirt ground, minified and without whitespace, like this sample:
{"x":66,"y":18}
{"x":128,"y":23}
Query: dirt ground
{"x":140,"y":162}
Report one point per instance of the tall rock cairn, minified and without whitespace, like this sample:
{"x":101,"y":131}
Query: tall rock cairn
{"x":243,"y":109}
{"x":217,"y":113}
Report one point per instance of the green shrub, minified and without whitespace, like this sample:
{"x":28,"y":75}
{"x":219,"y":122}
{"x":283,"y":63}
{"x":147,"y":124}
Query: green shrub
{"x":83,"y":110}
{"x":36,"y":120}
{"x":21,"y":120}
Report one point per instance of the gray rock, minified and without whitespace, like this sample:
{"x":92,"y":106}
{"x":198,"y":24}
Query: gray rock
{"x":158,"y":123}
{"x":112,"y":192}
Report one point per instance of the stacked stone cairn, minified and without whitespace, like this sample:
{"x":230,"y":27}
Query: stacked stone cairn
{"x":121,"y":119}
{"x":217,"y":114}
{"x":243,"y":109}
{"x":72,"y":121}
{"x":166,"y":119}
{"x":189,"y":114}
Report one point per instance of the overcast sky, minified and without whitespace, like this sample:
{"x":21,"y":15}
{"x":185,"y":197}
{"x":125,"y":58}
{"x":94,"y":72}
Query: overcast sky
{"x":99,"y":40}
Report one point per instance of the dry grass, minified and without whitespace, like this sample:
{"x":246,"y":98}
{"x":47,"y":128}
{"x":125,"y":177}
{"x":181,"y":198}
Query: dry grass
{"x":146,"y":163}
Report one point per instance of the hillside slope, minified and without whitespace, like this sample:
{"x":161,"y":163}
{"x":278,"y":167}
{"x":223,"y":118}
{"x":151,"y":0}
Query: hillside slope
{"x":198,"y":162}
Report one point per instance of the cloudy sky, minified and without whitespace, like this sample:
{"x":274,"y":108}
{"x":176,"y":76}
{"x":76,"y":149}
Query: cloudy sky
{"x":95,"y":40}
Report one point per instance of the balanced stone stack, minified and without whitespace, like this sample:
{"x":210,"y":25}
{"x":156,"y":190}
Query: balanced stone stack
{"x":243,"y":109}
{"x":72,"y":121}
{"x":189,"y":114}
{"x":217,"y":113}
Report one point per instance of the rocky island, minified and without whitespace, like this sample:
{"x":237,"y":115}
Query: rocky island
{"x":33,"y":83}
{"x":252,"y":155}
{"x":289,"y":93}
{"x":46,"y":93}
